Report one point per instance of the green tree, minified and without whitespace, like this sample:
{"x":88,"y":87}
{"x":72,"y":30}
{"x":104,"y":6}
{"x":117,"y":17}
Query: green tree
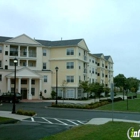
{"x":85,"y":85}
{"x":120,"y":81}
{"x":106,"y":90}
{"x":53,"y":94}
{"x":132,"y":83}
{"x":97,"y":89}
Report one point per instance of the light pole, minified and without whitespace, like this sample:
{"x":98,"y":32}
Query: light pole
{"x":56,"y":68}
{"x":14,"y":106}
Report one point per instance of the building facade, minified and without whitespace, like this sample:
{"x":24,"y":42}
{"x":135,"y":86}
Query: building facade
{"x":37,"y":60}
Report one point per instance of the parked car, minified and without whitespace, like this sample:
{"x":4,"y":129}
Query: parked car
{"x":8,"y":97}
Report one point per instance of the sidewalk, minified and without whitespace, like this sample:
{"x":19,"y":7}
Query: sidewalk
{"x":8,"y":114}
{"x":100,"y":121}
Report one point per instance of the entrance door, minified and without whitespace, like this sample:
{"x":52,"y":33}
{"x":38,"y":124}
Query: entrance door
{"x":24,"y":93}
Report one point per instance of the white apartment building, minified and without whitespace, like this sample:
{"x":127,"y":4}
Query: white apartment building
{"x":37,"y":60}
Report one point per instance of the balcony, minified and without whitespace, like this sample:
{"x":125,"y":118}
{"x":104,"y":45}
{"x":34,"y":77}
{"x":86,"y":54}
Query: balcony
{"x":85,"y":58}
{"x":23,"y":63}
{"x":13,"y":53}
{"x":32,"y":54}
{"x":23,"y":54}
{"x":85,"y":70}
{"x":31,"y":63}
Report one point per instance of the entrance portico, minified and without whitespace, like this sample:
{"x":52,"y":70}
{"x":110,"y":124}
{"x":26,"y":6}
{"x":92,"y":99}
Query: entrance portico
{"x":24,"y":80}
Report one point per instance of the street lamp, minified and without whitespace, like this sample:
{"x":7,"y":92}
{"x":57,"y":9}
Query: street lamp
{"x":14,"y":108}
{"x":56,"y":68}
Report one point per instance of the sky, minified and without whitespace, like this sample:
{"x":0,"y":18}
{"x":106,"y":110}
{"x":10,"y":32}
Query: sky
{"x":111,"y":27}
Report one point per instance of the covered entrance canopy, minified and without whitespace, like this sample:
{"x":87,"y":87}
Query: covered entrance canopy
{"x":24,"y":73}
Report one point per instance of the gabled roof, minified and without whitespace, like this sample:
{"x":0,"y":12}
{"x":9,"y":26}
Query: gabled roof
{"x":3,"y":38}
{"x":107,"y":57}
{"x":46,"y":42}
{"x":59,"y":42}
{"x":23,"y":39}
{"x":25,"y":73}
{"x":98,"y":54}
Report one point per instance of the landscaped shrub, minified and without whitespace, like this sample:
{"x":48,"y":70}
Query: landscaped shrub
{"x":88,"y":106}
{"x":27,"y":113}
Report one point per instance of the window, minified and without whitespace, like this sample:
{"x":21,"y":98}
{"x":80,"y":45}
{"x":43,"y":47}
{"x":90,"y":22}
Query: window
{"x":0,"y":64}
{"x":0,"y":77}
{"x":33,"y":91}
{"x":70,"y":79}
{"x":0,"y":49}
{"x":33,"y":82}
{"x":44,"y":65}
{"x":92,"y":61}
{"x":6,"y":52}
{"x":6,"y":67}
{"x":79,"y":67}
{"x":102,"y":74}
{"x":44,"y":52}
{"x":70,"y":51}
{"x":23,"y":81}
{"x":79,"y":78}
{"x":12,"y":81}
{"x":92,"y":70}
{"x":12,"y":90}
{"x":45,"y":78}
{"x":70,"y":65}
{"x":70,"y":93}
{"x":24,"y":63}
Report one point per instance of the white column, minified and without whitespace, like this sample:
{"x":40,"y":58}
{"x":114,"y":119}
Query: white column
{"x":9,"y":85}
{"x":18,"y":51}
{"x":26,"y":63}
{"x":19,"y":85}
{"x":18,"y":62}
{"x":40,"y":85}
{"x":76,"y":93}
{"x":27,"y":51}
{"x":29,"y":94}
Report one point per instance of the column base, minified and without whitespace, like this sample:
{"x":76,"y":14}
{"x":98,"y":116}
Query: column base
{"x":30,"y":97}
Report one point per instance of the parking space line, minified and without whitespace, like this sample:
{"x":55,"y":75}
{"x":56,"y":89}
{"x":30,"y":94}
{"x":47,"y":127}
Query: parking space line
{"x":32,"y":119}
{"x":60,"y":121}
{"x":72,"y":122}
{"x":80,"y":122}
{"x":46,"y":120}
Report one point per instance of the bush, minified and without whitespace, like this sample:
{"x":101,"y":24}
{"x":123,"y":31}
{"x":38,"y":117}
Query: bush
{"x":88,"y":106}
{"x":27,"y":113}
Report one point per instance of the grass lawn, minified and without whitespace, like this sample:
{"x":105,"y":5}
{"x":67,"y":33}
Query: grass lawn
{"x":133,"y":105}
{"x":108,"y":131}
{"x":3,"y":119}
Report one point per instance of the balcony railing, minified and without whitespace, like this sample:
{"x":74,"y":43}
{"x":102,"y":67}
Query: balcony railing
{"x":23,"y":54}
{"x":85,"y":58}
{"x":32,"y":54}
{"x":13,"y":53}
{"x":85,"y":70}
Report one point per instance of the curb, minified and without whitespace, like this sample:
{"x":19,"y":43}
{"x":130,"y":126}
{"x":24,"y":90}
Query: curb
{"x":92,"y":110}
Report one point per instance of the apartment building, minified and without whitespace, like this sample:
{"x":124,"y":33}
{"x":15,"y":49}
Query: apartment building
{"x":37,"y":60}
